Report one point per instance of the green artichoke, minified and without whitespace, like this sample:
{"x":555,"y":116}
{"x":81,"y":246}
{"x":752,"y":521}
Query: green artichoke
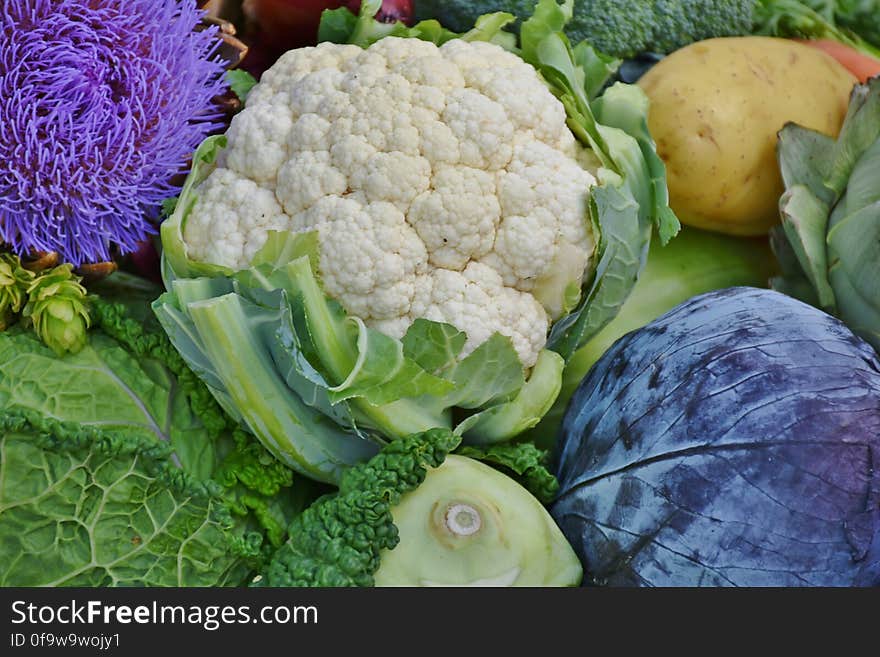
{"x":829,"y":242}
{"x":14,"y":282}
{"x":58,"y":309}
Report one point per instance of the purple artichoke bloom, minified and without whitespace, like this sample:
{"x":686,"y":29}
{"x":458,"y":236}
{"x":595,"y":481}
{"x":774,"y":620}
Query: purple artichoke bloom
{"x":101,"y":103}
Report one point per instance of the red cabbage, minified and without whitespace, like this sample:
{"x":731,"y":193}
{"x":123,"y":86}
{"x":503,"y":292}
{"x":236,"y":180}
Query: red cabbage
{"x":733,"y":441}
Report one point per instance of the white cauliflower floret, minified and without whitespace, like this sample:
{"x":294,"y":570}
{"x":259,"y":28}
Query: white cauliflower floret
{"x":457,"y":218}
{"x":477,"y":302}
{"x":370,"y":256}
{"x":227,"y":194}
{"x":443,"y":183}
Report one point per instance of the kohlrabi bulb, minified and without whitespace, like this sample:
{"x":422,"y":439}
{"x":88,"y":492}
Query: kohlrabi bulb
{"x":470,"y":525}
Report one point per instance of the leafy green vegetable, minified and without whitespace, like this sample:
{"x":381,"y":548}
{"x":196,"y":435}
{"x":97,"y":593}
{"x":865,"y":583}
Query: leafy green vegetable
{"x":82,"y":506}
{"x":524,"y":462}
{"x":814,"y":19}
{"x":118,"y":467}
{"x":338,"y":540}
{"x":342,"y":26}
{"x":241,"y":82}
{"x":829,"y":241}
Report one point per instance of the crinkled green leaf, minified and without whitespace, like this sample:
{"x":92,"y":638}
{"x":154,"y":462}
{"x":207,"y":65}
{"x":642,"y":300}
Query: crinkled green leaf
{"x":524,"y":462}
{"x":130,"y":392}
{"x":107,"y":386}
{"x":339,"y":539}
{"x":89,"y":507}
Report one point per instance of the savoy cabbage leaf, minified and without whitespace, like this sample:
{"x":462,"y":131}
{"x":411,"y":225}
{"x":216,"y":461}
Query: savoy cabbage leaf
{"x":118,"y":467}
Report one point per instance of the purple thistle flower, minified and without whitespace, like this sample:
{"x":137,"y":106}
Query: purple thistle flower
{"x":101,"y":103}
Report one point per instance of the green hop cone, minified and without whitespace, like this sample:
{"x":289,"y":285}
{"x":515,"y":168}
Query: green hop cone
{"x":14,"y":282}
{"x":58,"y":309}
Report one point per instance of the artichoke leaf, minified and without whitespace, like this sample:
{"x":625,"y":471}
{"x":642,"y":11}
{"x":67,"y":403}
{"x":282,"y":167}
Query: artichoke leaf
{"x":805,"y":222}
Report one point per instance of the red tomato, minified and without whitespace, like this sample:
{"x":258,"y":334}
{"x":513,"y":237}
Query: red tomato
{"x":859,"y":64}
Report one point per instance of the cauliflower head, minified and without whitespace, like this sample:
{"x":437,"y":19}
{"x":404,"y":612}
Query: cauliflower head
{"x":443,"y":183}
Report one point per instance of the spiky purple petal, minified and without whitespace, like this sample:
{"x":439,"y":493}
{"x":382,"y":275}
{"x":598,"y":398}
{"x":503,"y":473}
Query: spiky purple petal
{"x":101,"y":104}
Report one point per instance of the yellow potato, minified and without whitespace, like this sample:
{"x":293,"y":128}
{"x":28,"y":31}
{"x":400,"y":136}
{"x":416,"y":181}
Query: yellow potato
{"x":716,"y":107}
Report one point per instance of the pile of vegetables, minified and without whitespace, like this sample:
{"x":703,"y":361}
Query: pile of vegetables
{"x":440,"y":293}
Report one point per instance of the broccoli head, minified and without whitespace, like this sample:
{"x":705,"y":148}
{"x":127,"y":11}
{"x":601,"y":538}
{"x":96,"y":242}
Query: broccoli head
{"x":622,"y":28}
{"x":677,"y":23}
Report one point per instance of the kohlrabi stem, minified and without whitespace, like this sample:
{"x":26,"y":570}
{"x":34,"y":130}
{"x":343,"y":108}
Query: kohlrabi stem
{"x":462,"y":519}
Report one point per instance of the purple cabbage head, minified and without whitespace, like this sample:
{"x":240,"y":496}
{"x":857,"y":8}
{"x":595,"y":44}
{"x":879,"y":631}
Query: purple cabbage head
{"x":101,"y":104}
{"x":733,"y":441}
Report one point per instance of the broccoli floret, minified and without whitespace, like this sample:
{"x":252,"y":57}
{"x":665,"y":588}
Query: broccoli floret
{"x":460,"y":15}
{"x":622,"y":28}
{"x":677,"y":23}
{"x":337,"y":541}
